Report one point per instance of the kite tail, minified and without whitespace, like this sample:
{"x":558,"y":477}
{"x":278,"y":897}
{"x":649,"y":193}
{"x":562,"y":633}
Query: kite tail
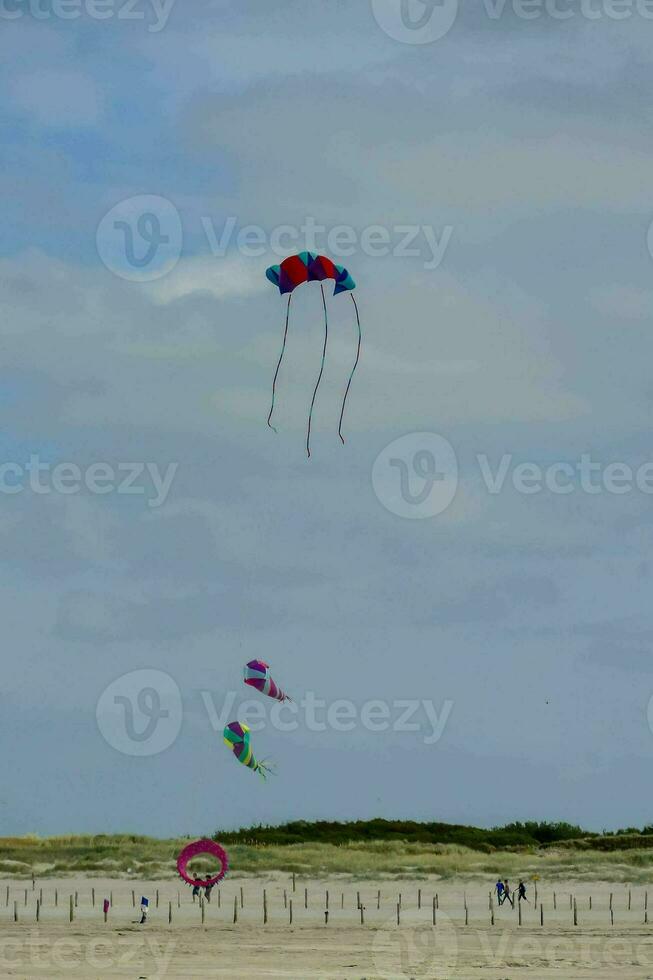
{"x":358,"y":354}
{"x":319,"y":377}
{"x":276,"y":373}
{"x":274,"y":691}
{"x":263,"y":769}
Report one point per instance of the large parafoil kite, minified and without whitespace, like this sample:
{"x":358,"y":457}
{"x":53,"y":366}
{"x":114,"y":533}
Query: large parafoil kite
{"x":236,"y":738}
{"x":309,"y":267}
{"x":257,"y":674}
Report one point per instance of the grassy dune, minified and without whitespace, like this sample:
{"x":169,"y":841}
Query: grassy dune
{"x":144,"y":857}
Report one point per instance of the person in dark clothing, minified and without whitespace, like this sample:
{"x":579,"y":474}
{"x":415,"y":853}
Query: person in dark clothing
{"x":506,"y":891}
{"x":499,"y":891}
{"x":196,"y":887}
{"x":521,"y":891}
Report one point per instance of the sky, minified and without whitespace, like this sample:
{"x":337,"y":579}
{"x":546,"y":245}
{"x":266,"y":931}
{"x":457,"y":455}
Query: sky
{"x":458,"y":598}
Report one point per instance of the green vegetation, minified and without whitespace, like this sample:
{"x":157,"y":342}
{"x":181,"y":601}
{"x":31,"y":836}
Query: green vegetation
{"x":362,"y":849}
{"x":529,"y":834}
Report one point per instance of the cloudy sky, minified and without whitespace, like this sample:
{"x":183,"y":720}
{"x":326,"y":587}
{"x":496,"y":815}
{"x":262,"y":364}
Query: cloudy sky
{"x":466,"y":637}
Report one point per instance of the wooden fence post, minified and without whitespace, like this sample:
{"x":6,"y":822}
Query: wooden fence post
{"x":290,"y":912}
{"x":235,"y":909}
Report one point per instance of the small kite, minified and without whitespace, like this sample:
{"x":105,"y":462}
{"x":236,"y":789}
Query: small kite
{"x":309,"y":267}
{"x":257,"y":674}
{"x":236,"y":738}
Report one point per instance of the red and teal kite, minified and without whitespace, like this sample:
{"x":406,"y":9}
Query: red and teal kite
{"x":257,"y":674}
{"x":309,"y":267}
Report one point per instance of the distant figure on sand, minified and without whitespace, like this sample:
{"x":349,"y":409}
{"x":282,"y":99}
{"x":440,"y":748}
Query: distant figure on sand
{"x":196,"y":887}
{"x":499,"y":888}
{"x":207,"y":892}
{"x":521,"y":891}
{"x":506,"y":891}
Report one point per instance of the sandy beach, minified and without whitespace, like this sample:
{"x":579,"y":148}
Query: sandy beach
{"x":462,"y":944}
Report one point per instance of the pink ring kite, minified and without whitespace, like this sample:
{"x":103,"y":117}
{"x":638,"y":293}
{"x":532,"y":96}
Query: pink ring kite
{"x":202,"y":847}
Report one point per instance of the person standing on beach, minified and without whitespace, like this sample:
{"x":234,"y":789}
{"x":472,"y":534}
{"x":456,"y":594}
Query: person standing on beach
{"x":521,"y":891}
{"x":506,"y":891}
{"x":196,"y":887}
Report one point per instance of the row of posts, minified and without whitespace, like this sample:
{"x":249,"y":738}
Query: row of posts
{"x":288,"y":905}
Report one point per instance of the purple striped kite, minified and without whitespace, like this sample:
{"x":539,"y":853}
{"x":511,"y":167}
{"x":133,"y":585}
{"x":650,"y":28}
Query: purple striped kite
{"x":257,"y":674}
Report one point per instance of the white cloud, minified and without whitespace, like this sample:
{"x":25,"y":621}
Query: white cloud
{"x":221,"y":277}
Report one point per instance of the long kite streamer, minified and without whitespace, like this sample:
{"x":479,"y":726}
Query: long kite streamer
{"x":257,"y":675}
{"x":310,"y":267}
